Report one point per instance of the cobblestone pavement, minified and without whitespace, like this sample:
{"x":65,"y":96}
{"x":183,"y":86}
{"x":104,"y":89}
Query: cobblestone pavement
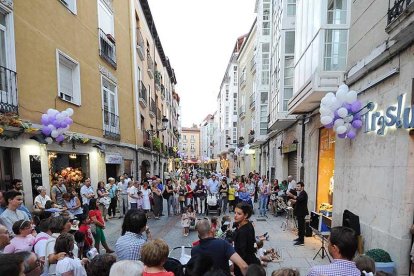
{"x":169,"y":229}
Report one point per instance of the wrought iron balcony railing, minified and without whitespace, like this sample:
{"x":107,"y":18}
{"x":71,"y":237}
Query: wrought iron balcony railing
{"x":153,"y":108}
{"x":140,"y":44}
{"x":150,"y":65}
{"x":8,"y":91}
{"x":107,"y":49}
{"x":143,"y":97}
{"x":111,"y":124}
{"x":396,"y":9}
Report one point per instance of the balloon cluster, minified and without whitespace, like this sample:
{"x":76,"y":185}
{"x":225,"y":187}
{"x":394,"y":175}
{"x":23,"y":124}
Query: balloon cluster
{"x":55,"y":124}
{"x":341,"y":112}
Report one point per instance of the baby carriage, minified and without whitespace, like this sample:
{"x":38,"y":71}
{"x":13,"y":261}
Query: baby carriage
{"x":213,"y":205}
{"x":280,"y":205}
{"x":177,"y":262}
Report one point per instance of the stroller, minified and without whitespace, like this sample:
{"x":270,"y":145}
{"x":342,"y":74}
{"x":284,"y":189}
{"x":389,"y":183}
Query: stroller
{"x":213,"y":205}
{"x":176,"y":263}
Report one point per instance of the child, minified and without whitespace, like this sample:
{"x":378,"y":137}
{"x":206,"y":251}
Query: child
{"x":85,"y":229}
{"x":186,"y":220}
{"x":154,"y":254}
{"x":266,"y":256}
{"x":69,"y":265}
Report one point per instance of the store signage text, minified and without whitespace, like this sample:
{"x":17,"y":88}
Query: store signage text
{"x":113,"y":159}
{"x":394,"y":116}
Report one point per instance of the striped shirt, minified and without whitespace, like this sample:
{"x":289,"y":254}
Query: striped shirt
{"x":338,"y":267}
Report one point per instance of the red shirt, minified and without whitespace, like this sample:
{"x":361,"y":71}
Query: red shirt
{"x":189,"y":191}
{"x":86,"y":230}
{"x":97,"y":214}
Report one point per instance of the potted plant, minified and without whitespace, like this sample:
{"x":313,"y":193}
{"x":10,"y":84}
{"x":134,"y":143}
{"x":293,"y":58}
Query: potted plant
{"x":382,"y":260}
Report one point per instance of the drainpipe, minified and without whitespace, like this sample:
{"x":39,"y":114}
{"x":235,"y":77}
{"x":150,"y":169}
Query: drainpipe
{"x":302,"y":150}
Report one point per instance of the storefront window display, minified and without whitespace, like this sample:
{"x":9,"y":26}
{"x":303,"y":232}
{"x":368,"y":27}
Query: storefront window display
{"x":326,"y":166}
{"x":72,"y":167}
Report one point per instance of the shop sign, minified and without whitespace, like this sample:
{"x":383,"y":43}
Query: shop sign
{"x":289,"y":148}
{"x":394,"y":116}
{"x":35,"y":173}
{"x":113,"y":158}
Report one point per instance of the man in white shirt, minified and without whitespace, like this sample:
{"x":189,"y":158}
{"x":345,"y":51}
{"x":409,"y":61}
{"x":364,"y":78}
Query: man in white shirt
{"x":87,"y":193}
{"x":213,"y":185}
{"x":123,"y":190}
{"x":292,"y":183}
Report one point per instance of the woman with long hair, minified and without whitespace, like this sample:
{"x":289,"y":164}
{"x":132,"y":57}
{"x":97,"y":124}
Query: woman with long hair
{"x":103,"y":199}
{"x":72,"y":203}
{"x":244,"y":236}
{"x":95,"y":216}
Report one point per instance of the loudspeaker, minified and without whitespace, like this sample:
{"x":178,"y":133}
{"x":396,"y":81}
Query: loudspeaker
{"x":308,"y":229}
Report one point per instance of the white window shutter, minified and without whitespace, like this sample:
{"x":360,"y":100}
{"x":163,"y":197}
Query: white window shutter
{"x":106,"y":19}
{"x":66,"y":79}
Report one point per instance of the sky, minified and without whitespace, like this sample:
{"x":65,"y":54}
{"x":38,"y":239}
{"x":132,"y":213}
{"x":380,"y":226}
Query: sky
{"x":198,"y":37}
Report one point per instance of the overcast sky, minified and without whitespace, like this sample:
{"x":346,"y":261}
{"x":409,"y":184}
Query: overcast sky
{"x":198,"y":37}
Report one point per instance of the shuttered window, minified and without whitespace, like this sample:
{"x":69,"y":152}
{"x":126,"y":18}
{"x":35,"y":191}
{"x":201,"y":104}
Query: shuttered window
{"x":68,"y":78}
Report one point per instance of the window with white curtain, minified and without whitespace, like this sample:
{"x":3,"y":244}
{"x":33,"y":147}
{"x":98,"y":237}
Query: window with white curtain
{"x":337,"y":11}
{"x":105,"y":18}
{"x":68,"y":78}
{"x":335,"y":50}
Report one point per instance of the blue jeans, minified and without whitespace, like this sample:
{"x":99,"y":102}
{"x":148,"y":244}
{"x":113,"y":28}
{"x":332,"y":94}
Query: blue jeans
{"x":170,"y":205}
{"x":263,"y":205}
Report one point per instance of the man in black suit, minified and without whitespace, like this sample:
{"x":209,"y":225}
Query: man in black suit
{"x":300,"y":211}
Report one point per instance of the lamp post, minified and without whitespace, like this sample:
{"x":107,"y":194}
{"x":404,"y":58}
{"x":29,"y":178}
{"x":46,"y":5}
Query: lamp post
{"x":152,"y":132}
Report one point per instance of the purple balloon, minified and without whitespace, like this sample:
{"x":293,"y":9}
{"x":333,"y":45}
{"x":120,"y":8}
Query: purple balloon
{"x":357,"y":116}
{"x":60,"y":138}
{"x":357,"y":124}
{"x":351,"y":134}
{"x":329,"y":125}
{"x":45,"y":120}
{"x":69,"y":121}
{"x":355,"y":106}
{"x":342,"y":136}
{"x":348,"y":106}
{"x":46,"y":130}
{"x":336,"y":114}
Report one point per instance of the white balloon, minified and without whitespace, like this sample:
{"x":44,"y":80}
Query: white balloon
{"x":348,"y":118}
{"x":324,"y":110}
{"x":348,"y":126}
{"x":325,"y":101}
{"x":69,"y":111}
{"x":52,"y":127}
{"x":338,"y":123}
{"x":341,"y":95}
{"x":52,"y":112}
{"x":54,"y":133}
{"x":335,"y":104}
{"x":64,"y":114}
{"x":341,"y":129}
{"x":351,"y":96}
{"x":330,"y":95}
{"x":325,"y":120}
{"x":343,"y":87}
{"x":342,"y":112}
{"x":49,"y":140}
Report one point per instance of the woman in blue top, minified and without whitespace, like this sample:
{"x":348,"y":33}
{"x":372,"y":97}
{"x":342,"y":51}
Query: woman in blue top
{"x":72,"y":203}
{"x":113,"y":195}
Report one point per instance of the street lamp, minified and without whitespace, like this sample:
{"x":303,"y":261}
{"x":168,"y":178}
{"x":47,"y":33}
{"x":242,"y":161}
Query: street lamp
{"x":164,"y":121}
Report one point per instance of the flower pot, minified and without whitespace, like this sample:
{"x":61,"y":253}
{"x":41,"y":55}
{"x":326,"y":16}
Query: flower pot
{"x":386,"y":267}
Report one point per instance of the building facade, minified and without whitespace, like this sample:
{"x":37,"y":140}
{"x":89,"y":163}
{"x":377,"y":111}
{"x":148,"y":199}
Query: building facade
{"x":87,"y":60}
{"x":191,"y":144}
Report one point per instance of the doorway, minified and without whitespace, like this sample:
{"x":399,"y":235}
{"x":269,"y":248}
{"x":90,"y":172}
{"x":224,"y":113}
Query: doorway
{"x":112,"y":171}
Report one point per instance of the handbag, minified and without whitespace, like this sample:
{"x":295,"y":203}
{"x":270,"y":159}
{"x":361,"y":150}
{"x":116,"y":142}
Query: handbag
{"x":165,"y":194}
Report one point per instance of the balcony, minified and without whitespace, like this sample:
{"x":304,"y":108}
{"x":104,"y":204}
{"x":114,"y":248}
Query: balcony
{"x":140,"y":44}
{"x":152,"y":109}
{"x":398,"y":8}
{"x":280,"y":121}
{"x":111,"y":125}
{"x":242,"y":111}
{"x":8,"y":91}
{"x":253,"y":64}
{"x":162,"y":91}
{"x":107,"y":48}
{"x":251,"y":101}
{"x":150,"y":66}
{"x":143,"y":95}
{"x":158,"y":80}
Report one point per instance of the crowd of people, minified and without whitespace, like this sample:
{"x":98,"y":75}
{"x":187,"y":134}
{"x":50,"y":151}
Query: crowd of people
{"x":63,"y":233}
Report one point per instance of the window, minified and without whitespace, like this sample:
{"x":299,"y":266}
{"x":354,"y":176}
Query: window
{"x":234,"y":135}
{"x":288,"y":81}
{"x":68,"y":79}
{"x":110,"y":107}
{"x":234,"y":103}
{"x":266,"y":19}
{"x":105,"y":17}
{"x":263,"y":119}
{"x":265,"y":63}
{"x":290,"y":42}
{"x":291,"y":7}
{"x":227,"y":92}
{"x":70,"y":5}
{"x":337,"y":11}
{"x":227,"y":117}
{"x":335,"y":50}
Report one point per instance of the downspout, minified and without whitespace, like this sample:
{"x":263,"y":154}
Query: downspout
{"x":302,"y":151}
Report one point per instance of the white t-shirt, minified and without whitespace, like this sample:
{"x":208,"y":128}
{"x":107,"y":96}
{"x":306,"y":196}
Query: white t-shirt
{"x":50,"y":249}
{"x":260,"y":252}
{"x":292,"y":185}
{"x":41,"y":200}
{"x":69,"y":264}
{"x":132,"y":191}
{"x":40,"y":244}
